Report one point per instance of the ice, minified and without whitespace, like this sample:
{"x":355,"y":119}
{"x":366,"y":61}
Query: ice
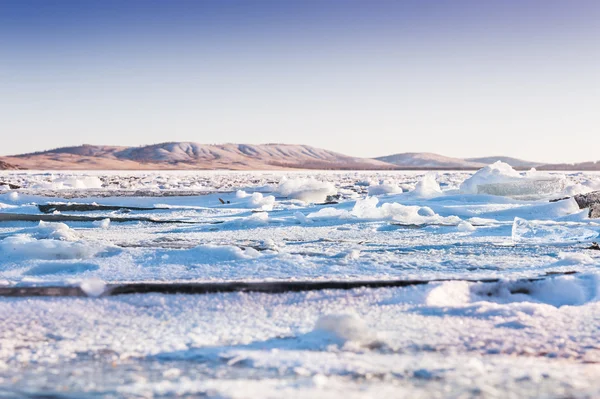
{"x":501,"y":179}
{"x":450,"y":293}
{"x":558,"y":291}
{"x":61,"y":268}
{"x":27,"y":247}
{"x":70,"y":182}
{"x":257,"y":200}
{"x":367,"y":209}
{"x":54,"y":231}
{"x":572,"y":259}
{"x":498,"y":317}
{"x":213,"y":254}
{"x":93,"y":287}
{"x":103,"y":224}
{"x":533,"y":232}
{"x":343,"y":329}
{"x":306,"y":190}
{"x":381,"y":188}
{"x":427,"y":187}
{"x":465,"y":227}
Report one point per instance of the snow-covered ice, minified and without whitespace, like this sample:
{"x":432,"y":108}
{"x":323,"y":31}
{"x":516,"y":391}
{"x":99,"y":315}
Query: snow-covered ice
{"x":514,"y":310}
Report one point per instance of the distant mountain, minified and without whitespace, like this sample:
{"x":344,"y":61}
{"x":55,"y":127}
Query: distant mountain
{"x":426,"y":160}
{"x":186,"y":155}
{"x":514,"y":162}
{"x":583,"y":166}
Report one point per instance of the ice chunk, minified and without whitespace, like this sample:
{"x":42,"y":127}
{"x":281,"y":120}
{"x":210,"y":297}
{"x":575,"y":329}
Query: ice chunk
{"x":427,"y":187}
{"x":55,"y":231}
{"x":307,"y":190}
{"x":241,"y":194}
{"x":93,"y":287}
{"x":449,"y":293}
{"x":345,"y":328}
{"x":257,"y":200}
{"x":103,"y":224}
{"x":465,"y":227}
{"x":501,"y":179}
{"x":568,"y":259}
{"x":524,"y":231}
{"x":381,"y":188}
{"x":329,"y":213}
{"x":302,"y":218}
{"x":405,"y":214}
{"x":26,"y":247}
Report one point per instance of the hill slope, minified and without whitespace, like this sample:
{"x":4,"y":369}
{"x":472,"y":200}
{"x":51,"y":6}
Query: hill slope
{"x":186,"y":155}
{"x":514,"y":162}
{"x":426,"y":160}
{"x":6,"y":166}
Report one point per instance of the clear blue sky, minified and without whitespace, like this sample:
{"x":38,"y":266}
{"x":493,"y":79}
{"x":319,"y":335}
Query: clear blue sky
{"x":366,"y":78}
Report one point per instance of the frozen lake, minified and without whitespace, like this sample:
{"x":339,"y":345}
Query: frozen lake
{"x":520,"y":316}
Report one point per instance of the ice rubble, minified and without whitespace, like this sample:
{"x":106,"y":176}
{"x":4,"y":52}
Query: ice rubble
{"x":500,"y":178}
{"x":306,"y":190}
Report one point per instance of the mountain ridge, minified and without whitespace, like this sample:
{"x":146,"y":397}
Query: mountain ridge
{"x":232,"y":156}
{"x":190,"y":155}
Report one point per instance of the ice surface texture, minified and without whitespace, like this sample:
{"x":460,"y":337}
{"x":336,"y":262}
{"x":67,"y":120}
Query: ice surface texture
{"x":514,"y":337}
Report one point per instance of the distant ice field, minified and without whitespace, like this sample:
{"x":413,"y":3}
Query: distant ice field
{"x":531,"y":332}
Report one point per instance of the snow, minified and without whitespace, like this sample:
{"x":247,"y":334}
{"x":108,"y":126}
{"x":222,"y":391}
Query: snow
{"x":528,"y":330}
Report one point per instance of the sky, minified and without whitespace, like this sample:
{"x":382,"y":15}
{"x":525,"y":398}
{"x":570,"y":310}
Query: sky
{"x":366,"y":78}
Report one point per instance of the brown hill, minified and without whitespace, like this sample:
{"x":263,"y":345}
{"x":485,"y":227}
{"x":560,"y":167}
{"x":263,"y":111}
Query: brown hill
{"x":187,"y":155}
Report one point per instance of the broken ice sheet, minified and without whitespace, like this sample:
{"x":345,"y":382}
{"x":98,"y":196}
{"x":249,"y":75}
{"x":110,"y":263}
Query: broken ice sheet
{"x":536,"y":232}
